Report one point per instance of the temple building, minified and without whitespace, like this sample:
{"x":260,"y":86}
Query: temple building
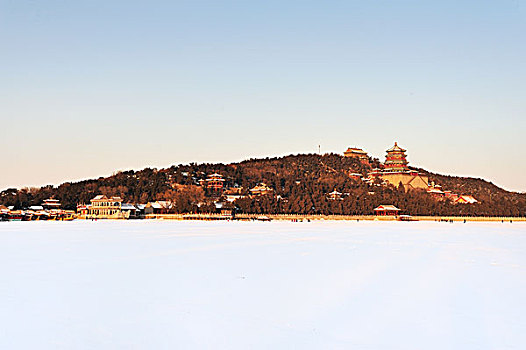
{"x":397,"y":172}
{"x":396,"y":159}
{"x":358,"y":153}
{"x":214,"y":183}
{"x":234,"y":193}
{"x":51,"y":203}
{"x":436,"y":191}
{"x":260,"y":190}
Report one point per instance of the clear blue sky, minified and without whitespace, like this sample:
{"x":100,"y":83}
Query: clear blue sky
{"x":91,"y":87}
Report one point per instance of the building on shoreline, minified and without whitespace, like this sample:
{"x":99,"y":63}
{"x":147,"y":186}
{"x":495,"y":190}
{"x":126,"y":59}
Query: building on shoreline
{"x":386,"y":210}
{"x":83,"y":209}
{"x":158,"y":207}
{"x":102,"y":206}
{"x":129,"y":210}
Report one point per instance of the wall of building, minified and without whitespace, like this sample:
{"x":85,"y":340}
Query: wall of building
{"x":409,"y":181}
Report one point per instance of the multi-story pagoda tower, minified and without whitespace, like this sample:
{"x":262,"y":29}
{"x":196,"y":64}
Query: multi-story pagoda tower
{"x":397,"y":172}
{"x":395,"y":160}
{"x":214,"y":184}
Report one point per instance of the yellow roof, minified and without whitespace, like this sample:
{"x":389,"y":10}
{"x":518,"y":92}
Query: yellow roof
{"x":355,"y":150}
{"x":396,"y":148}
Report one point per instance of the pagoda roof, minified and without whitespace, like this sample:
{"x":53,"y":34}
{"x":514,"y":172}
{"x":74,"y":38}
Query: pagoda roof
{"x":386,"y":207}
{"x":102,"y":197}
{"x":356,"y":150}
{"x":396,"y":148}
{"x":215,"y":179}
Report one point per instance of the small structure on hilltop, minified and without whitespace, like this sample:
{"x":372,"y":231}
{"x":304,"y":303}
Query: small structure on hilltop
{"x":386,"y":210}
{"x":334,"y":195}
{"x":358,"y":153}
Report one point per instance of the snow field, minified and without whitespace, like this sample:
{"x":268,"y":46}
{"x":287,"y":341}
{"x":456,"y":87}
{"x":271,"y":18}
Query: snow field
{"x":259,"y":285}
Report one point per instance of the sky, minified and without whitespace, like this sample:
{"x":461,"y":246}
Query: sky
{"x":88,"y":88}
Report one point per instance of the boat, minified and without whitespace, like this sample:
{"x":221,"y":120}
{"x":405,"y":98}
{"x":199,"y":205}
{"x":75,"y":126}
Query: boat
{"x":263,"y":218}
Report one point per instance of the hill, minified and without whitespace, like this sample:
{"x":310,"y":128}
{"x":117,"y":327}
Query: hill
{"x":300,"y":184}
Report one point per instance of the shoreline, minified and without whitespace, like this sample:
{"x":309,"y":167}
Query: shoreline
{"x":300,"y":217}
{"x":292,"y":218}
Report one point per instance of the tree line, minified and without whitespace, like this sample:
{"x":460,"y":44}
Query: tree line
{"x":300,"y":183}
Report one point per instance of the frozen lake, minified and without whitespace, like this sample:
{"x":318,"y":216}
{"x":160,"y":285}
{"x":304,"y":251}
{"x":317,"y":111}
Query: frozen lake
{"x":254,"y":285}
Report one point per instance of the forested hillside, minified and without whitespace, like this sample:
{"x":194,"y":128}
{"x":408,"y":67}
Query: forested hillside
{"x":300,"y":183}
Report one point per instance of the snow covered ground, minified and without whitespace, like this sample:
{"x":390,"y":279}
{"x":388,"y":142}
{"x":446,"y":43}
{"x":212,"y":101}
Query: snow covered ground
{"x":255,"y":285}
